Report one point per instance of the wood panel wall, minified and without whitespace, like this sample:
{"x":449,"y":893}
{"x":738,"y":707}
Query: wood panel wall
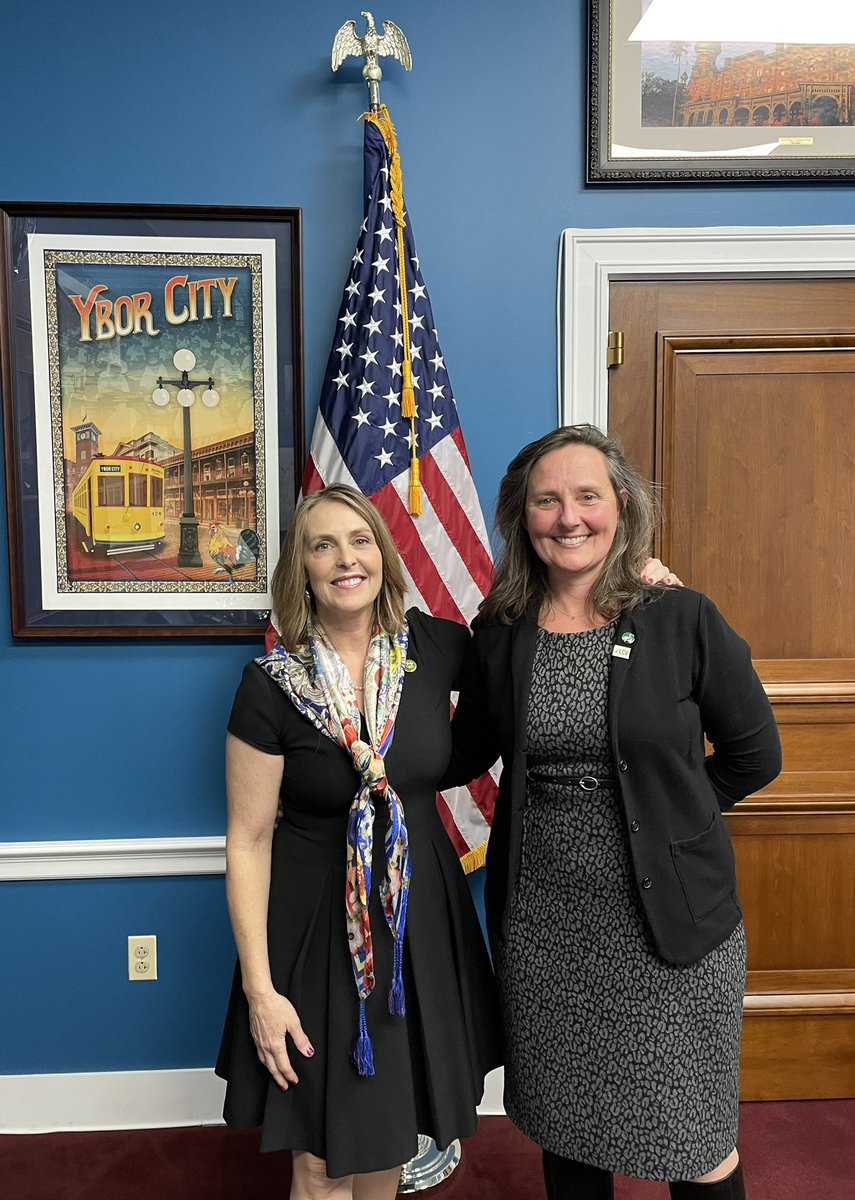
{"x":749,"y":428}
{"x":795,"y":847}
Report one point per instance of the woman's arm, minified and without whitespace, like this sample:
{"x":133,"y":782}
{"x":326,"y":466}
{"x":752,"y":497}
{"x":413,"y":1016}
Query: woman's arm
{"x":735,"y":711}
{"x":253,"y":779}
{"x":475,"y":739}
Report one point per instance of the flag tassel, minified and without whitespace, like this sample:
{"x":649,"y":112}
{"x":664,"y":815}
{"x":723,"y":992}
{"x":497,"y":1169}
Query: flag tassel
{"x":415,"y":498}
{"x":408,"y":392}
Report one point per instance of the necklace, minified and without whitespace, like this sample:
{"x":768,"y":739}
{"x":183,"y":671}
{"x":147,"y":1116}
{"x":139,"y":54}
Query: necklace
{"x":564,"y":613}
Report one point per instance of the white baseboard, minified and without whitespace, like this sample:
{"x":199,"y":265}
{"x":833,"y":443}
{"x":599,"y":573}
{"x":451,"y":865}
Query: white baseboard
{"x":492,"y":1103}
{"x":110,"y":1100}
{"x":134,"y":1100}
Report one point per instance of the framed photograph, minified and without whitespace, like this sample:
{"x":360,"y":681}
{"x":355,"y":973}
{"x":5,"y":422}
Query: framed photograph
{"x":664,"y":108}
{"x":153,"y":415}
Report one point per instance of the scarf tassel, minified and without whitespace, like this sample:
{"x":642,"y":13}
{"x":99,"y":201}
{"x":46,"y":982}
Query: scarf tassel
{"x":362,"y":1054}
{"x":397,"y":1006}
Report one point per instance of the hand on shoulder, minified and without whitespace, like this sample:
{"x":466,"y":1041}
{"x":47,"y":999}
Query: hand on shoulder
{"x":655,"y":571}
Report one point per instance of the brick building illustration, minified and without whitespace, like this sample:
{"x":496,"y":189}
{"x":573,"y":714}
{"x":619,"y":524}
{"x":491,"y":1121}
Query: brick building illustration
{"x":794,"y":86}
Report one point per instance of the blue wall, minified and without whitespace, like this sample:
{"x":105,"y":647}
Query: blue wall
{"x":212,"y":103}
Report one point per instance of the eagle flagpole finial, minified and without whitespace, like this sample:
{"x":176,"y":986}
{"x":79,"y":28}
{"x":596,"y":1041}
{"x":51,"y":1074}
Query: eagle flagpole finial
{"x":371,"y":46}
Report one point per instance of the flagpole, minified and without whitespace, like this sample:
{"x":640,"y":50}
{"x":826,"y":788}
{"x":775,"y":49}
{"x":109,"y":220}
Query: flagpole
{"x":371,"y":46}
{"x":430,"y":1165}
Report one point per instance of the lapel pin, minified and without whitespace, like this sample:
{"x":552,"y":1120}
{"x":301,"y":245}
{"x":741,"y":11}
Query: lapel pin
{"x":627,"y":637}
{"x":409,"y":665}
{"x":621,"y":651}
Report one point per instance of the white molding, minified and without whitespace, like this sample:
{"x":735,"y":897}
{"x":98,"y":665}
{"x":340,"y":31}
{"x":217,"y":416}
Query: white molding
{"x":110,"y":1100}
{"x":492,"y":1102}
{"x":112,"y":857}
{"x":134,"y":1100}
{"x":589,"y":259}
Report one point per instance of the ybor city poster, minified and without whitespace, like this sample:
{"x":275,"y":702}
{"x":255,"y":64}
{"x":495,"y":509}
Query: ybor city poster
{"x":151,"y":488}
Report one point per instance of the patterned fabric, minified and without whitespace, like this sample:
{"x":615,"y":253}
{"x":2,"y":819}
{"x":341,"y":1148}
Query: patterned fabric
{"x":615,"y":1058}
{"x":319,"y":685}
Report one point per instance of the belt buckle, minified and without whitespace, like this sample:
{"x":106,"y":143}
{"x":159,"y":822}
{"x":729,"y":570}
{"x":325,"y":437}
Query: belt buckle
{"x":588,"y":783}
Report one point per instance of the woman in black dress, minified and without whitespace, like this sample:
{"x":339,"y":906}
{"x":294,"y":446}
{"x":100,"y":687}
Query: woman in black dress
{"x":611,"y":891}
{"x":360,"y":1016}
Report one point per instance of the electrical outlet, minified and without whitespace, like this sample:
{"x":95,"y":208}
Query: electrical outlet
{"x":142,"y":957}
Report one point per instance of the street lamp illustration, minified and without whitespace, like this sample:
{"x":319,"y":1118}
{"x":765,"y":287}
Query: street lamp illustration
{"x":184,"y":361}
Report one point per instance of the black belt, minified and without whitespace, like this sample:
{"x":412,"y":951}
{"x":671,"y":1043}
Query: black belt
{"x":588,"y":783}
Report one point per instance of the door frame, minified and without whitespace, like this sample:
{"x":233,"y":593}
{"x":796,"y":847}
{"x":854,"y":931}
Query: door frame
{"x":589,"y":259}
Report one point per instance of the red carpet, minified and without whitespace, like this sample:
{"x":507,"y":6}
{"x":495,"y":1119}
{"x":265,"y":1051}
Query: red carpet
{"x":792,"y":1151}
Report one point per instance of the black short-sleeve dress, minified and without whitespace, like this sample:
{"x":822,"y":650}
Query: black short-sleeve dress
{"x":430,"y":1065}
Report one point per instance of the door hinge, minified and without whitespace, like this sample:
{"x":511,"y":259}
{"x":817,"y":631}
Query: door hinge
{"x":614,"y":353}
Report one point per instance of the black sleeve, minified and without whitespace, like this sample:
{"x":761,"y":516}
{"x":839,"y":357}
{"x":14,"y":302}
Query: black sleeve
{"x":736,"y":714}
{"x":450,"y":638}
{"x":475,"y":739}
{"x":256,"y":716}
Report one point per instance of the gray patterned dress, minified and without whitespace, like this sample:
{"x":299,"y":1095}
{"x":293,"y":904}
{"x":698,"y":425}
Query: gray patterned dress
{"x":614,"y":1057}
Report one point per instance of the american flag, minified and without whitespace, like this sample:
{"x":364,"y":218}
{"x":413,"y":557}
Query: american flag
{"x":363,"y":437}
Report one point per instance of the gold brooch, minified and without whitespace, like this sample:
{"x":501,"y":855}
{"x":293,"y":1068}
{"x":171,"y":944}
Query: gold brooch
{"x":409,"y":665}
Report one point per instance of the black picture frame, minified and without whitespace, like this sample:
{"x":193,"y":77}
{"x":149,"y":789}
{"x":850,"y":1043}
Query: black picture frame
{"x":233,"y":295}
{"x":708,"y":142}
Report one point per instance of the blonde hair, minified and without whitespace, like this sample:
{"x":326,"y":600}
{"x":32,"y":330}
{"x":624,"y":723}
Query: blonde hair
{"x":292,"y":599}
{"x":520,"y":580}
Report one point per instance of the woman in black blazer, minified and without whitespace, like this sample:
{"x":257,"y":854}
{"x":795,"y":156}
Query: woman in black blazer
{"x":611,"y":892}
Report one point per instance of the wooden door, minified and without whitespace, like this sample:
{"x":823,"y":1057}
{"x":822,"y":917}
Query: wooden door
{"x":738,"y":398}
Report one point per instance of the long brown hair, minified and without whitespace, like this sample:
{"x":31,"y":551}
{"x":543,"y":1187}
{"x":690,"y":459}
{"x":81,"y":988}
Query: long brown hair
{"x":292,"y":600}
{"x":520,"y":580}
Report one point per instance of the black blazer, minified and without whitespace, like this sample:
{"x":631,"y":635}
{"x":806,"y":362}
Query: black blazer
{"x":687,"y":674}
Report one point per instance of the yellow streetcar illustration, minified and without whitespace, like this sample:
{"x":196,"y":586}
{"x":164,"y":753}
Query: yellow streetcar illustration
{"x":118,"y":505}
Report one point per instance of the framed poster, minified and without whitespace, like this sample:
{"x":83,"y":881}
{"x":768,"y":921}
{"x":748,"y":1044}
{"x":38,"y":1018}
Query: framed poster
{"x":153,"y":415}
{"x":674,"y":110}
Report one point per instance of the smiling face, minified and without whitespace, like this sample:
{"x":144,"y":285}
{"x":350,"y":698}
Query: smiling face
{"x":571,"y":513}
{"x":344,"y":566}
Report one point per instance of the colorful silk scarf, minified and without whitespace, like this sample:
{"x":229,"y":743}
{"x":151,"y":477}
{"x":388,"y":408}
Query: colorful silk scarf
{"x":318,"y":684}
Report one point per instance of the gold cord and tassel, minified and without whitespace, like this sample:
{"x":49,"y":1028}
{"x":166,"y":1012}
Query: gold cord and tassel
{"x":415,"y":496}
{"x":408,"y":392}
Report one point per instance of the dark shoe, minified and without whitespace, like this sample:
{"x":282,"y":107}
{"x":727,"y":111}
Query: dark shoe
{"x":567,"y":1179}
{"x":731,"y":1188}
